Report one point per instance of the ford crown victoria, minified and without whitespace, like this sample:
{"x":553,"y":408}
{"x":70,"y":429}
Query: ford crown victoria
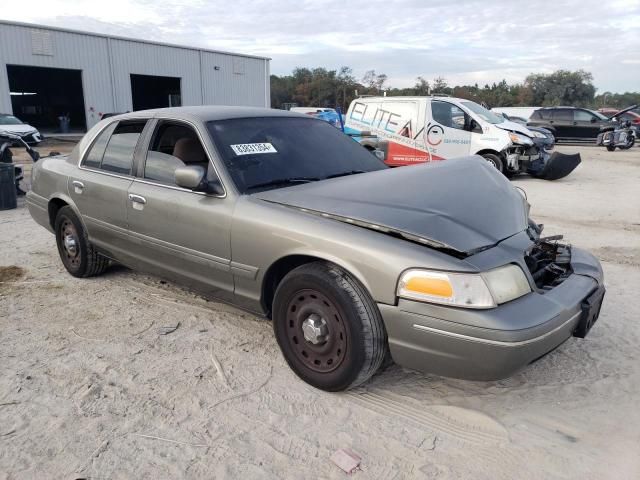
{"x":437,"y":265}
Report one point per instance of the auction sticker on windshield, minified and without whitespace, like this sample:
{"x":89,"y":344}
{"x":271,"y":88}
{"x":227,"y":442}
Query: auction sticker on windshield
{"x":252,"y":148}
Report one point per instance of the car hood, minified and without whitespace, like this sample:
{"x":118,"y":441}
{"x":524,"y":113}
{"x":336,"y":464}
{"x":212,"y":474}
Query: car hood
{"x":19,"y":129}
{"x":514,"y":127}
{"x":623,"y":111}
{"x":462,"y":204}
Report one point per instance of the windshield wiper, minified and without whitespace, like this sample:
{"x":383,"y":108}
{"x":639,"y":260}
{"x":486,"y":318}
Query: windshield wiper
{"x":283,"y":181}
{"x":344,"y":174}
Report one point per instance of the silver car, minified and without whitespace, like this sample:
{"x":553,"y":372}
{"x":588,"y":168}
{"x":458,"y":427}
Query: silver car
{"x":436,"y":265}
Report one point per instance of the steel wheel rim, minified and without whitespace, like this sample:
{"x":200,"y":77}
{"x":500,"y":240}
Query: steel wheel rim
{"x":70,"y":243}
{"x":329,"y":353}
{"x":493,"y":163}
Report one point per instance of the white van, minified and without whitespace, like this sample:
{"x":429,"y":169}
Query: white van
{"x":423,"y":129}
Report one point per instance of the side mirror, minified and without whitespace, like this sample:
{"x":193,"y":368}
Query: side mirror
{"x":190,"y":177}
{"x":380,"y":154}
{"x":193,"y":178}
{"x":594,"y":119}
{"x":214,"y":187}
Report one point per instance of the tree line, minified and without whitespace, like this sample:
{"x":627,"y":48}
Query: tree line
{"x":320,"y":87}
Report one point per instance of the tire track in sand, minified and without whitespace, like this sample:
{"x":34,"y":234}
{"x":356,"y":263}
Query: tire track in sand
{"x":460,"y":423}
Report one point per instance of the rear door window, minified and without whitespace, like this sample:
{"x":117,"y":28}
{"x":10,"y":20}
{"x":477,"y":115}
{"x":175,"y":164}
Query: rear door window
{"x":563,"y":115}
{"x":118,"y":156}
{"x":541,"y":115}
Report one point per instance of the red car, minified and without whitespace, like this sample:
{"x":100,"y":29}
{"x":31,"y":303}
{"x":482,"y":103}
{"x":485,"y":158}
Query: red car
{"x":632,"y":116}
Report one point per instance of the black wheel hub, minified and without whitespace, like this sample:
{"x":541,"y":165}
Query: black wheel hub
{"x":316,"y":331}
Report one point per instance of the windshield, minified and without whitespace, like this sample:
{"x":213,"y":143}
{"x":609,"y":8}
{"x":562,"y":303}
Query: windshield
{"x":9,"y":120}
{"x":483,"y":113}
{"x":276,"y":152}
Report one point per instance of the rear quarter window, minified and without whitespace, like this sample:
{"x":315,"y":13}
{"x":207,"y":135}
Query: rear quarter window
{"x":94,"y":156}
{"x":542,"y":115}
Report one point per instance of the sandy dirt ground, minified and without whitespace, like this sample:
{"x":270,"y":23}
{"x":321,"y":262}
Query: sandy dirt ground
{"x":90,"y":387}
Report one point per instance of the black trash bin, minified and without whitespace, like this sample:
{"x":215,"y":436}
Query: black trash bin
{"x":8,"y":197}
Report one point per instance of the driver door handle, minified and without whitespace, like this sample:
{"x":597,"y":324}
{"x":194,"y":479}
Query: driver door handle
{"x":137,"y":202}
{"x":78,"y":187}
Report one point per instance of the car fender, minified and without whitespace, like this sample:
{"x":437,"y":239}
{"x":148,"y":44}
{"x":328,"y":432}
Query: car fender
{"x":492,"y":138}
{"x":347,"y":266}
{"x":68,"y":200}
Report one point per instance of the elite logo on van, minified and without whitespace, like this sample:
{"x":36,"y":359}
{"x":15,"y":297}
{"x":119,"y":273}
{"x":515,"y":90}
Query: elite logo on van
{"x":435,"y":135}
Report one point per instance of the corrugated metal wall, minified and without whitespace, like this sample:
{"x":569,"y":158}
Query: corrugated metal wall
{"x":207,"y":78}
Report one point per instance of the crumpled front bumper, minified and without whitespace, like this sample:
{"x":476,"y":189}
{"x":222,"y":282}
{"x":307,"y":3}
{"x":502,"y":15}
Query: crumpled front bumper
{"x":495,"y":343}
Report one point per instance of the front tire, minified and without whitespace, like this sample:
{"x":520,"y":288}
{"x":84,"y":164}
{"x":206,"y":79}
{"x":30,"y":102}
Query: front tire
{"x":78,"y":256}
{"x":494,"y":160}
{"x":611,"y":148}
{"x":328,"y":328}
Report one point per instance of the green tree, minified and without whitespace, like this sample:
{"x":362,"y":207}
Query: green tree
{"x":374,"y":82}
{"x":440,"y":86}
{"x":562,"y":88}
{"x":422,"y":86}
{"x":330,"y":88}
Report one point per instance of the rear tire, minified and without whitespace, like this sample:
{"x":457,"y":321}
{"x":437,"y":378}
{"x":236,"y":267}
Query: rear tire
{"x":494,"y":160}
{"x":78,"y":256}
{"x":347,"y":342}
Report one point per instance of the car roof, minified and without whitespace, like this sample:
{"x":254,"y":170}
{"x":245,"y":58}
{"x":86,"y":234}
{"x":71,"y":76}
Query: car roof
{"x":399,"y":98}
{"x":562,"y":106}
{"x":207,"y":113}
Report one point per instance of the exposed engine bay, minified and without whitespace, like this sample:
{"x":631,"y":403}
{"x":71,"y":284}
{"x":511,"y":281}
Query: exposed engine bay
{"x":549,"y":262}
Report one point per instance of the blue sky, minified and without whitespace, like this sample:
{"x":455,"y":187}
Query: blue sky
{"x":464,"y":41}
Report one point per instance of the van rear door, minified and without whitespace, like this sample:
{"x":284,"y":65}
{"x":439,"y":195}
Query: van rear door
{"x":397,"y":120}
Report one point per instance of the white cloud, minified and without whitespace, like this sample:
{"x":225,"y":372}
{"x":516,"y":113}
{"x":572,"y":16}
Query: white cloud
{"x":464,"y":41}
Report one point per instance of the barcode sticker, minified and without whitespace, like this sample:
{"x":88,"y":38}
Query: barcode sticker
{"x":253,"y":148}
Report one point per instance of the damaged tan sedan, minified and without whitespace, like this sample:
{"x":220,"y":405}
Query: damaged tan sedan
{"x":281,"y":214}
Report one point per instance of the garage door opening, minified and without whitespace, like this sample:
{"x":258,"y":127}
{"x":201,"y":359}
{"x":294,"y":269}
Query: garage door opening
{"x":150,"y":91}
{"x":39,"y":96}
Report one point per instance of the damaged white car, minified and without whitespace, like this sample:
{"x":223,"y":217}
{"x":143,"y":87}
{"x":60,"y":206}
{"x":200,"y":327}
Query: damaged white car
{"x":412,"y":130}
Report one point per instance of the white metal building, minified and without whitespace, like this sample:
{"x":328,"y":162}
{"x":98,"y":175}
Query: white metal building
{"x":48,"y":72}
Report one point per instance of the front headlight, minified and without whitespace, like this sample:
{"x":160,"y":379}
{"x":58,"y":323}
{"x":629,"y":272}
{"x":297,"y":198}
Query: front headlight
{"x":468,"y":290}
{"x":538,"y":134}
{"x":519,"y":139}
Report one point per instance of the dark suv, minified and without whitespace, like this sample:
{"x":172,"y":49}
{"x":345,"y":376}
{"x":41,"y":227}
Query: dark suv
{"x":570,"y":123}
